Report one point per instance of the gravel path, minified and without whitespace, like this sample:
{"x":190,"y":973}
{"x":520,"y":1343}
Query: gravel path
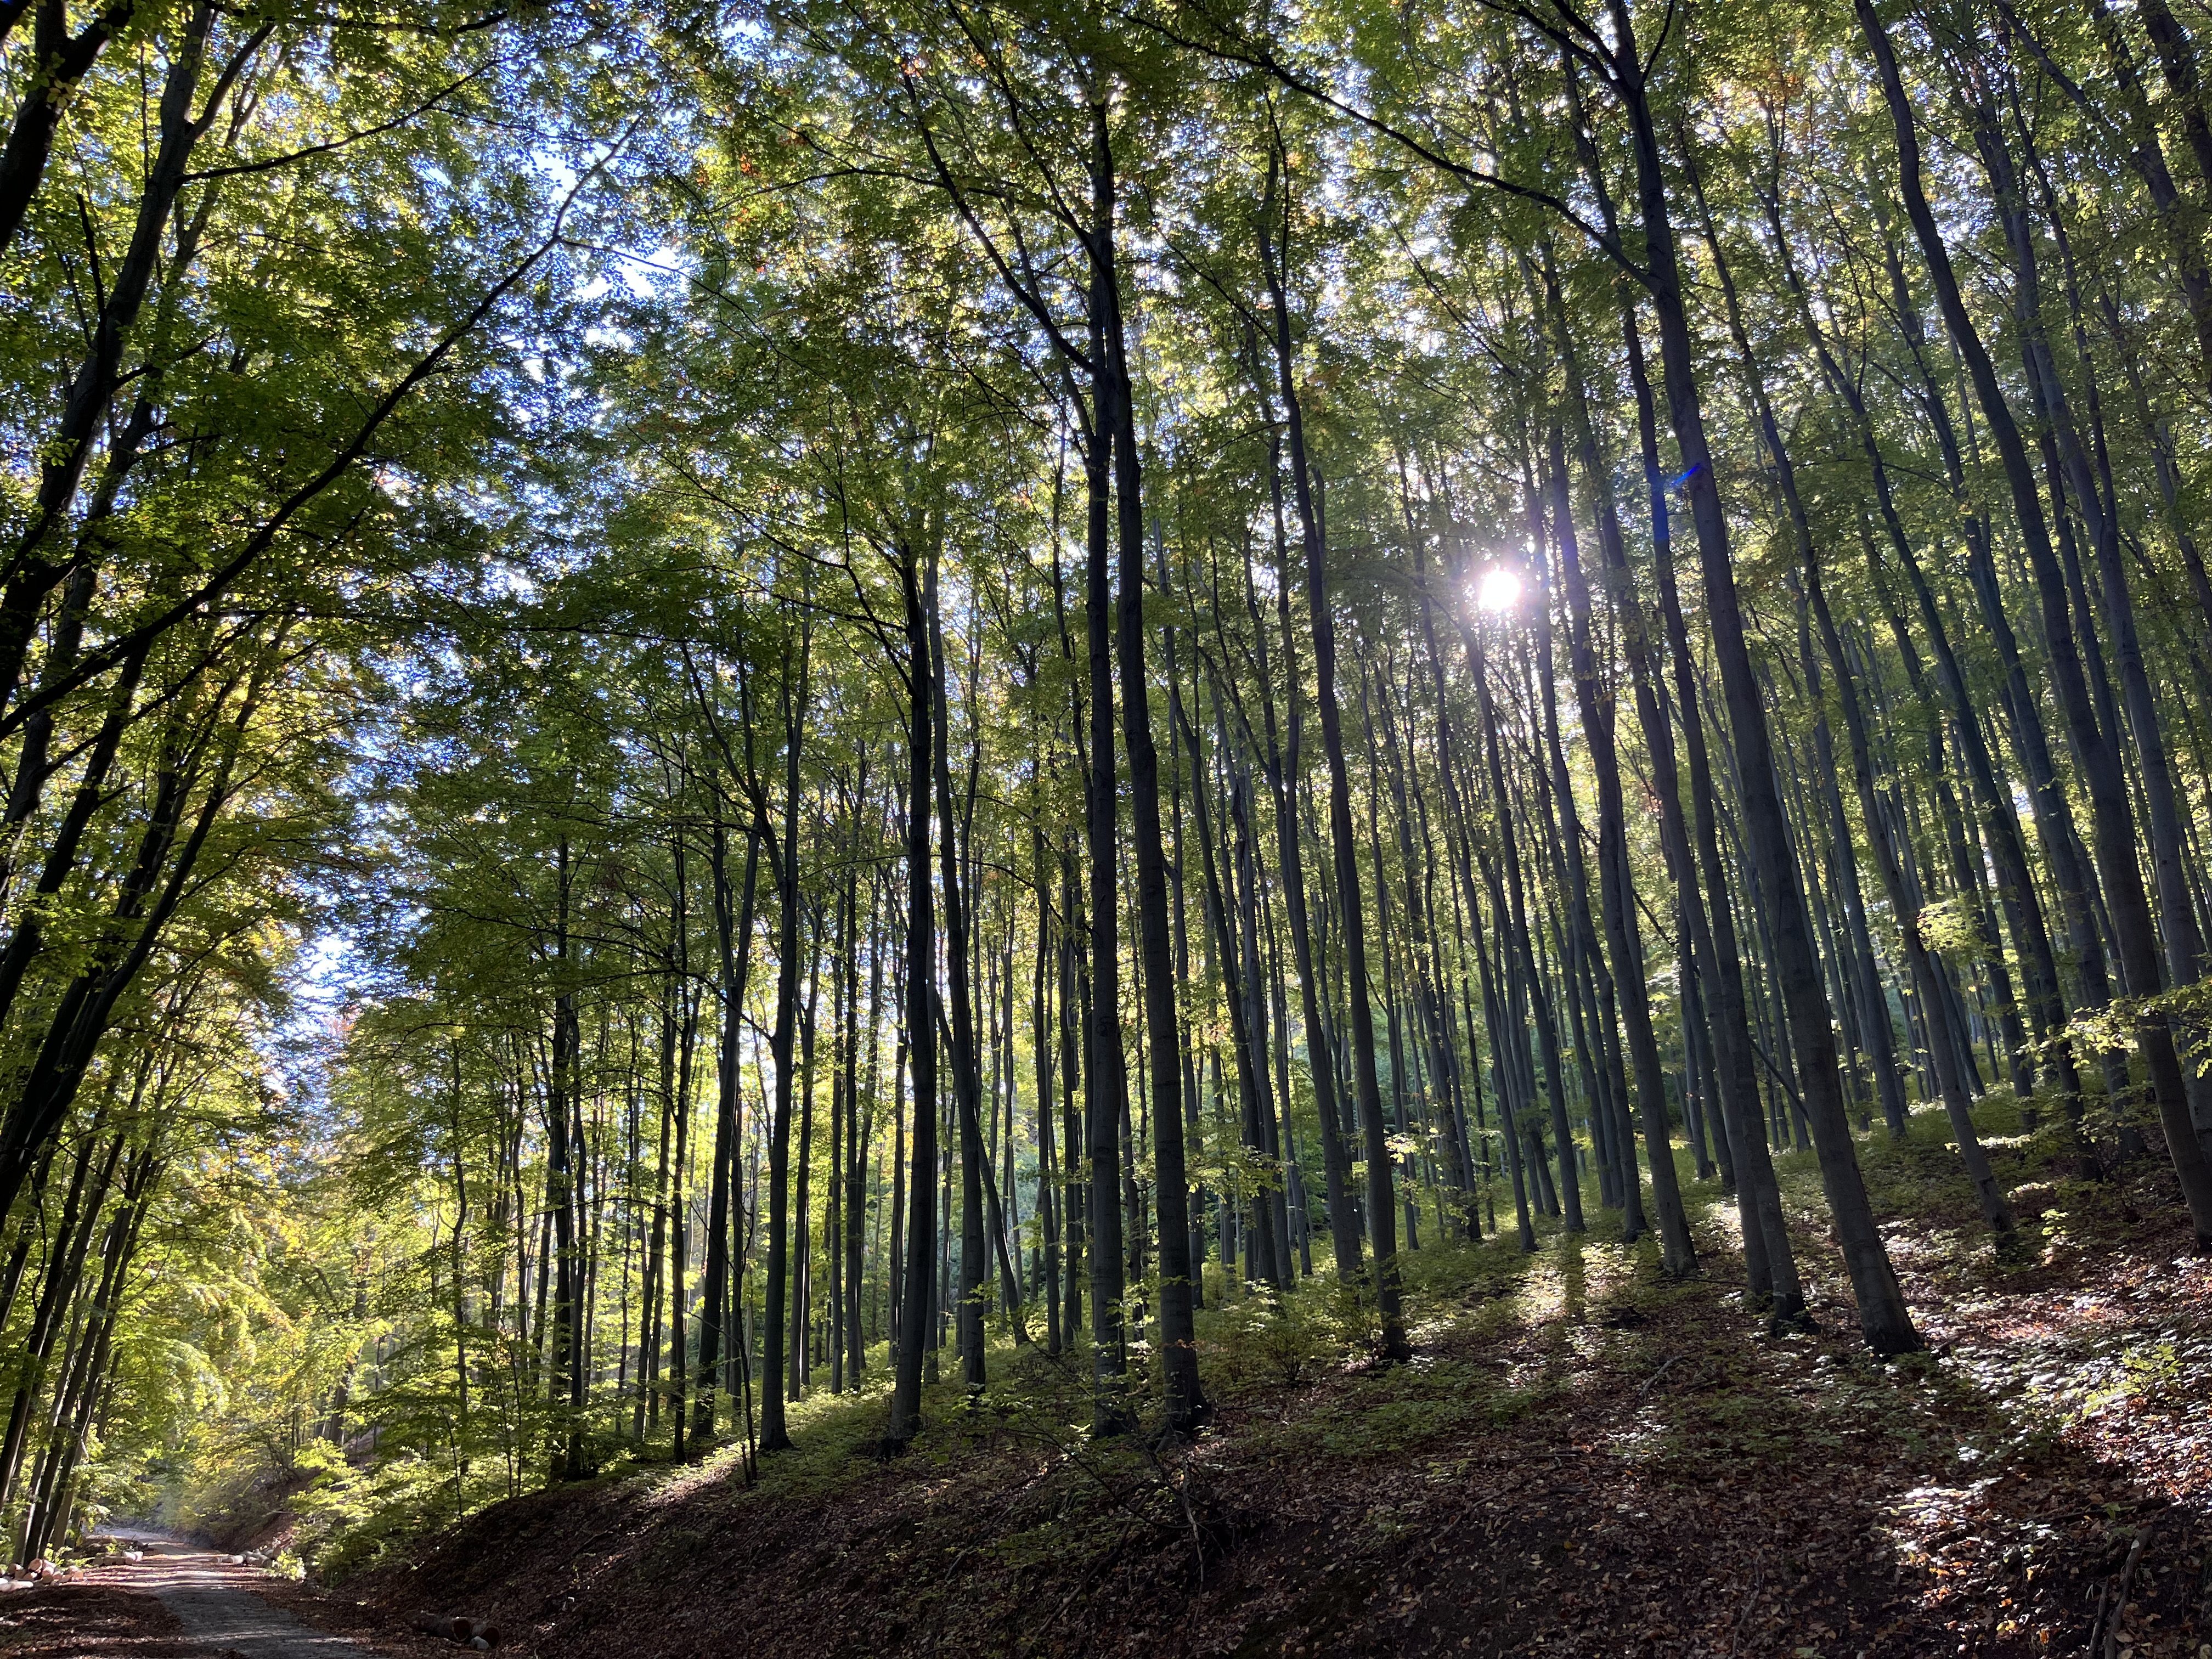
{"x":220,"y":1611}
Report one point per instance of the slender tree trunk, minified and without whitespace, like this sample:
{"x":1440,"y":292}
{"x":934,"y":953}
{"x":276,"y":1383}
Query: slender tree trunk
{"x":1185,"y":1401}
{"x":1382,"y":1203}
{"x":733,"y":932}
{"x":1883,"y":1315}
{"x":783,"y":1044}
{"x":920,"y":1034}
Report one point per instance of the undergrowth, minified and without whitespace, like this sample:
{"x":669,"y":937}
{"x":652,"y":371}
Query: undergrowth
{"x":1295,"y":1367}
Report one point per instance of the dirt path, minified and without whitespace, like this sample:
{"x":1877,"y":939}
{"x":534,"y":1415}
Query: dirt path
{"x":219,"y":1608}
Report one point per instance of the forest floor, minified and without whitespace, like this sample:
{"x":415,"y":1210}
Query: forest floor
{"x":1581,"y":1459}
{"x":74,"y":1620}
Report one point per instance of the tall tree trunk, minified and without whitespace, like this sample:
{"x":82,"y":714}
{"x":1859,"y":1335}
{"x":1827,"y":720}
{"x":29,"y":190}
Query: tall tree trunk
{"x":783,"y":1045}
{"x":1185,"y":1401}
{"x":733,"y":933}
{"x":1381,"y":1207}
{"x":912,"y":1338}
{"x":1883,"y":1315}
{"x":1678,"y":1255}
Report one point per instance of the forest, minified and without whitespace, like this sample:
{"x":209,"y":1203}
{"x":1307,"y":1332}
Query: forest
{"x":975,"y":788}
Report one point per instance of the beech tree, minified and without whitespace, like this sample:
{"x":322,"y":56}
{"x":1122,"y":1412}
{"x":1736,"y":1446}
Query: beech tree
{"x":911,"y":678}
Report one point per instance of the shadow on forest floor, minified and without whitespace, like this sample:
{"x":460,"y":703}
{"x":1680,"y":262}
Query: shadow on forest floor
{"x":1581,"y":1459}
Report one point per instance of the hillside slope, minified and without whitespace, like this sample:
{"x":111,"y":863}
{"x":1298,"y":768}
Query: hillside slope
{"x":1581,"y":1460}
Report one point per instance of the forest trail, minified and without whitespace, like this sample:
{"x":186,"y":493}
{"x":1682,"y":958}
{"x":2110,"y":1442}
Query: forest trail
{"x":219,"y":1606}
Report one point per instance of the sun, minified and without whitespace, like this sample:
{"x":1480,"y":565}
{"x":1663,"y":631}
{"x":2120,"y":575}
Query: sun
{"x":1497,"y":589}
